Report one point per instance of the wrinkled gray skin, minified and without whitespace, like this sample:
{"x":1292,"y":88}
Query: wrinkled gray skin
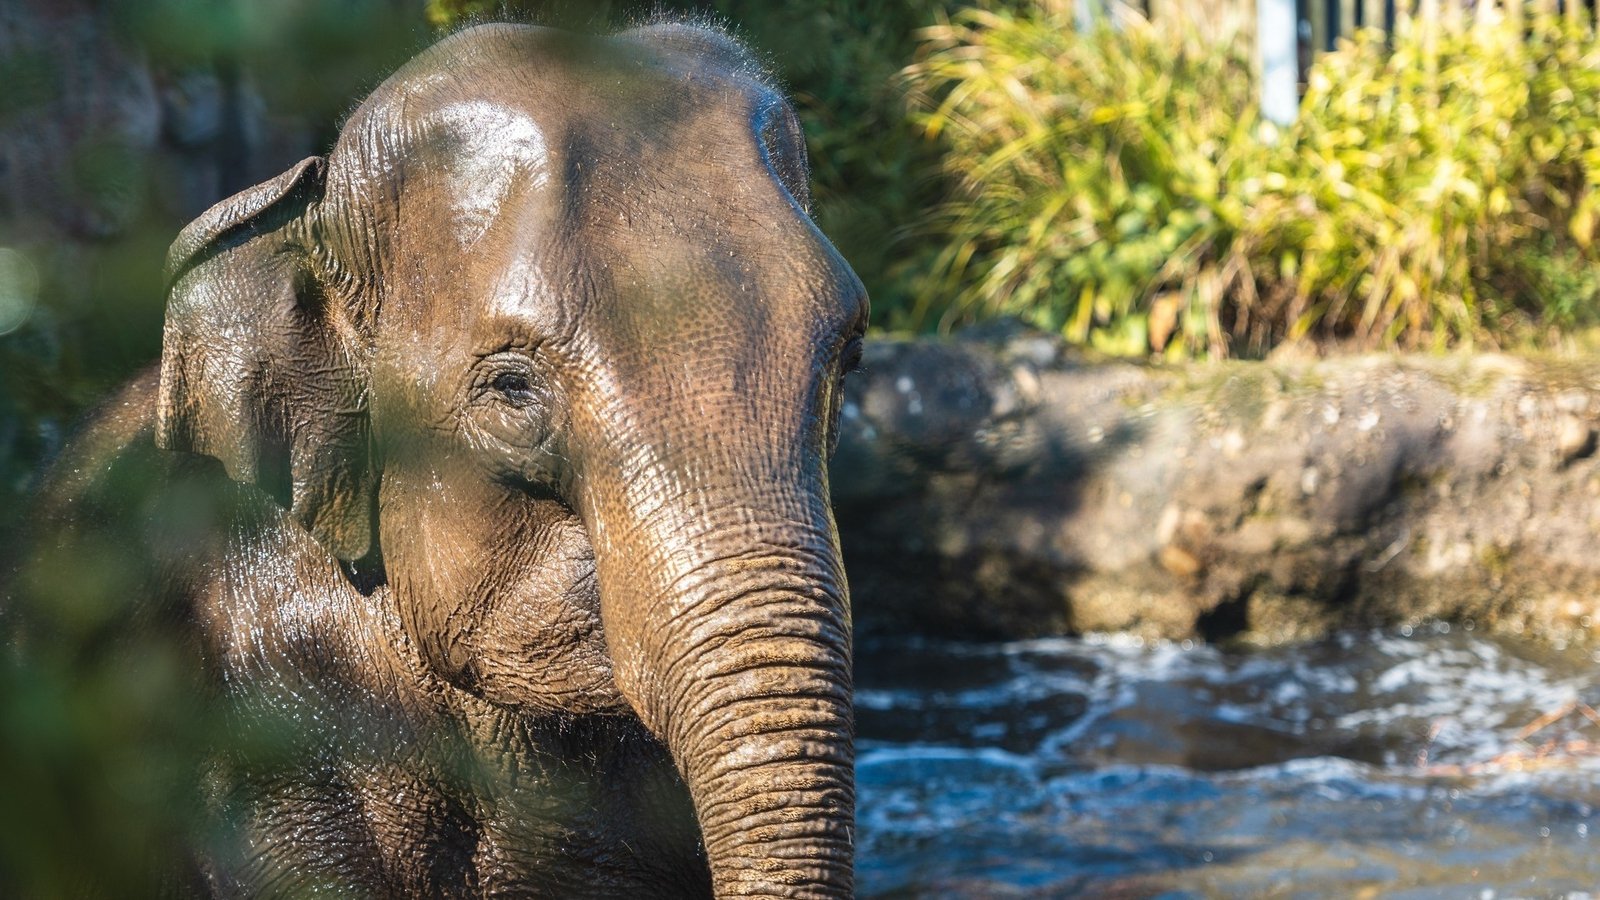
{"x":542,"y":365}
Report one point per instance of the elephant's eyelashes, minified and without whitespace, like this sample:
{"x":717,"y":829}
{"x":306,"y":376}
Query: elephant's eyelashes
{"x":850,"y":359}
{"x":515,"y":387}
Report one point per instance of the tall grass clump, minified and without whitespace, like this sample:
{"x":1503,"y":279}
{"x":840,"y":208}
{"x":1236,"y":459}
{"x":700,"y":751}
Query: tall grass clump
{"x":1100,"y":175}
{"x":1438,"y":188}
{"x":1451,"y":184}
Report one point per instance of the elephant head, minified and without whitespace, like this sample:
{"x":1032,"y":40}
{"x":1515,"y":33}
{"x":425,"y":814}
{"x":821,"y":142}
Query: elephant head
{"x":549,"y":345}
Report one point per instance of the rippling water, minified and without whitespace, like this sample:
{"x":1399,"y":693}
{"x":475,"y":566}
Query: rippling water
{"x":1369,"y":765}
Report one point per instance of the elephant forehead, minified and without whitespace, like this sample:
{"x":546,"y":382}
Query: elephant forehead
{"x":491,"y":149}
{"x":647,"y":173}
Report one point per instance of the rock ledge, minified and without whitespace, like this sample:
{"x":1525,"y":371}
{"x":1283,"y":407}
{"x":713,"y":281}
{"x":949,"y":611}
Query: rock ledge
{"x":997,"y":486}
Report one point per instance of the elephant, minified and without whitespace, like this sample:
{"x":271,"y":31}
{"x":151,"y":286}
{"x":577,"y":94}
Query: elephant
{"x":522,"y":398}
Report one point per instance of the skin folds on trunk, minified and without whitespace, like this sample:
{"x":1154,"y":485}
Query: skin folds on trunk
{"x":753,"y":712}
{"x":732,"y":641}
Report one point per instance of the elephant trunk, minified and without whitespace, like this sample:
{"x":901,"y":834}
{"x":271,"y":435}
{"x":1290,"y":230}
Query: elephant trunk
{"x":763,"y":721}
{"x":733,"y":644}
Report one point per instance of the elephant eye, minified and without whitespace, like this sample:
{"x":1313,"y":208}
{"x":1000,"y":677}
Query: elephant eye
{"x":514,"y":386}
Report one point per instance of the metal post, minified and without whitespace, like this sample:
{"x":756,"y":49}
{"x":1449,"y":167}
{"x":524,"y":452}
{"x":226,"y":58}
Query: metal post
{"x":1276,"y":41}
{"x":1084,"y":15}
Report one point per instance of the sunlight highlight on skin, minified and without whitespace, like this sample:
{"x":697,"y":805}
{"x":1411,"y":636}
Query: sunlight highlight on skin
{"x":491,"y":136}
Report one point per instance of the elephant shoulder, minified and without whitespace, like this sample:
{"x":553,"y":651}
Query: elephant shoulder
{"x":86,"y":542}
{"x":112,"y":497}
{"x":117,"y":434}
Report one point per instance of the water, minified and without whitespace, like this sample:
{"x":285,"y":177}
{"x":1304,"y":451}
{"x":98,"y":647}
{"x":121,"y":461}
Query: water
{"x":1370,"y":765}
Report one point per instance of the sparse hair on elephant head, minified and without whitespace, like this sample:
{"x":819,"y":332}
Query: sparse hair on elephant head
{"x":550,"y":341}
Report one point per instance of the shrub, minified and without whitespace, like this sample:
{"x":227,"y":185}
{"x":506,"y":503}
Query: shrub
{"x":1119,"y":187}
{"x":1104,"y":174}
{"x":1450,"y":178}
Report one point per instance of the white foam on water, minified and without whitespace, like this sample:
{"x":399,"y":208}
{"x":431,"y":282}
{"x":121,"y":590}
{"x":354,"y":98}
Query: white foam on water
{"x":1373,"y":744}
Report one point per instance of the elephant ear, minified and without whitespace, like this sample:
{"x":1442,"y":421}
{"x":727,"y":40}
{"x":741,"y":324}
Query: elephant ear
{"x":255,"y":368}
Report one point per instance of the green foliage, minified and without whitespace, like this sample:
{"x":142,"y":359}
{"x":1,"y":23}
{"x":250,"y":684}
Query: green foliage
{"x":101,"y":725}
{"x":312,"y":59}
{"x":1120,"y":188}
{"x":445,"y":15}
{"x":1104,"y":188}
{"x":1451,"y":181}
